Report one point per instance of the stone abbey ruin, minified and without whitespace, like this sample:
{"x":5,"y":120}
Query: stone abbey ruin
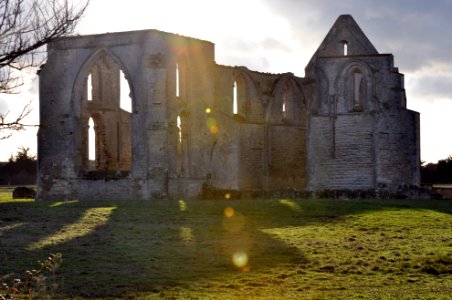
{"x":192,"y":124}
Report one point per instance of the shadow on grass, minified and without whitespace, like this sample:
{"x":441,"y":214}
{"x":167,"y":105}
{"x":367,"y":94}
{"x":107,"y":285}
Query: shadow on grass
{"x":117,"y":248}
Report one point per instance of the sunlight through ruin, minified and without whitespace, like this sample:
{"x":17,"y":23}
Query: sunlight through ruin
{"x":186,"y":235}
{"x":89,"y":222}
{"x":291,"y":204}
{"x":182,"y":205}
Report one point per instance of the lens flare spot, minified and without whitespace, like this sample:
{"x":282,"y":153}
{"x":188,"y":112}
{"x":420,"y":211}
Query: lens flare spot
{"x":182,"y":205}
{"x":212,"y":125}
{"x":208,"y":110}
{"x":227,"y":196}
{"x":229,"y":212}
{"x":211,"y":122}
{"x":213,"y":129}
{"x":240,"y":259}
{"x":234,"y":221}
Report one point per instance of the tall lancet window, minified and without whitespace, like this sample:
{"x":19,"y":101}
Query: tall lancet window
{"x":283,"y":106}
{"x":239,"y":96}
{"x":125,"y":99}
{"x":357,"y":89}
{"x":91,"y":143}
{"x":177,"y":81}
{"x":179,"y":127}
{"x":89,"y":87}
{"x":235,"y":107}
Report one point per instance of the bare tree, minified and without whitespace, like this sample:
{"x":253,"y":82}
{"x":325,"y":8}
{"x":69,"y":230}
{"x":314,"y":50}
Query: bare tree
{"x":16,"y":123}
{"x":25,"y":27}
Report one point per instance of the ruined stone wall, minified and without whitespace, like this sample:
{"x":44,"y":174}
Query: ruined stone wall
{"x":287,"y":158}
{"x":361,"y":136}
{"x":260,"y":147}
{"x":251,"y":167}
{"x":397,"y":150}
{"x":192,"y":62}
{"x":225,"y":151}
{"x":194,"y":124}
{"x":341,"y":152}
{"x":145,"y":57}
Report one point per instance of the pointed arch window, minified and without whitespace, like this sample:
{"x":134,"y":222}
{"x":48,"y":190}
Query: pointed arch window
{"x":288,"y":104}
{"x":107,"y":142}
{"x":354,"y":89}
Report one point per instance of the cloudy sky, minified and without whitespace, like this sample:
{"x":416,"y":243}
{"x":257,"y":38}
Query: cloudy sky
{"x":281,"y":36}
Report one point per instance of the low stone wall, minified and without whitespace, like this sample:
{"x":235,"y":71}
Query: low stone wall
{"x":446,"y":192}
{"x":209,"y":192}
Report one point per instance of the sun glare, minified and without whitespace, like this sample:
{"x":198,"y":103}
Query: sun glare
{"x":240,"y":259}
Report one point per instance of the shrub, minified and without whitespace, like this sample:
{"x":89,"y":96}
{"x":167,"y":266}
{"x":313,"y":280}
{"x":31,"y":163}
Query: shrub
{"x":33,"y":283}
{"x":23,"y":192}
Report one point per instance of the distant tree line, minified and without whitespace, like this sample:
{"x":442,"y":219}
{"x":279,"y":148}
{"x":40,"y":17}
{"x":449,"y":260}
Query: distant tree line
{"x":20,"y":169}
{"x":441,"y":172}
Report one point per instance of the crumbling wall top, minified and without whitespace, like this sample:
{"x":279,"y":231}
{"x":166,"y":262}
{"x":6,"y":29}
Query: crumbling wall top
{"x":121,"y":38}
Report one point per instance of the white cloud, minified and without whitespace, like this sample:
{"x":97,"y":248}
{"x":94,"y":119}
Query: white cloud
{"x":432,"y":86}
{"x":3,"y":105}
{"x":416,"y":31}
{"x":435,"y":128}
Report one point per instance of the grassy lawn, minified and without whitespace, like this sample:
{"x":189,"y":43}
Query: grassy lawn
{"x":235,"y":249}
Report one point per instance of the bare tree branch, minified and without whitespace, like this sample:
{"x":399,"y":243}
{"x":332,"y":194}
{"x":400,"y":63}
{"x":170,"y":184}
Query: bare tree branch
{"x":25,"y":27}
{"x":15,"y":124}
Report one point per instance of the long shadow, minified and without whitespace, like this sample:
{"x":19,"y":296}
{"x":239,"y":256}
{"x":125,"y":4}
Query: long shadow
{"x":156,"y":245}
{"x":23,"y":223}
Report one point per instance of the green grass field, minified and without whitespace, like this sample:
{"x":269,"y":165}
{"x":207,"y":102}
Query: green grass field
{"x":235,"y":249}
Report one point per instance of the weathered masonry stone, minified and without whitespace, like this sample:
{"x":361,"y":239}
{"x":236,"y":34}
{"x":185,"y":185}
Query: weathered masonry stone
{"x":192,"y":124}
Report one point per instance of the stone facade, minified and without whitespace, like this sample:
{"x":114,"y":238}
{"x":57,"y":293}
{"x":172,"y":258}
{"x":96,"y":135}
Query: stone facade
{"x":192,"y":123}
